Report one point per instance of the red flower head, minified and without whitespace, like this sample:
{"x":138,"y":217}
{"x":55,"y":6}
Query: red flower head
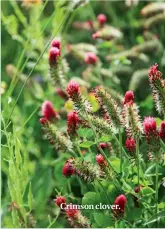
{"x":162,"y":131}
{"x":48,"y":111}
{"x":129,"y":97}
{"x":130,"y":144}
{"x":56,"y":43}
{"x":60,"y":200}
{"x":101,"y":18}
{"x":100,"y":159}
{"x":90,"y":58}
{"x":154,"y":74}
{"x":54,"y":53}
{"x":121,"y":201}
{"x":72,"y":122}
{"x":68,"y":170}
{"x":103,"y":145}
{"x":43,"y":121}
{"x":138,"y":188}
{"x":72,"y":213}
{"x":61,"y":93}
{"x":73,"y":88}
{"x":149,"y":125}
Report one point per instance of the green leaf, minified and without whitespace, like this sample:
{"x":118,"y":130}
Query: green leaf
{"x":105,"y":138}
{"x":161,"y":205}
{"x":146,"y":191}
{"x":103,"y":220}
{"x":86,"y":144}
{"x":151,"y":170}
{"x":156,"y":217}
{"x":115,"y":162}
{"x":126,"y":187}
{"x":91,"y":198}
{"x":86,"y":133}
{"x":30,"y":198}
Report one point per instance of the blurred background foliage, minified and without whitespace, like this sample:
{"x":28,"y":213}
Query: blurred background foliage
{"x":26,"y":29}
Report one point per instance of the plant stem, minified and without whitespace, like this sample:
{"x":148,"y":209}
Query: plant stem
{"x":121,"y":152}
{"x":104,"y":192}
{"x":156,"y":189}
{"x":138,"y":164}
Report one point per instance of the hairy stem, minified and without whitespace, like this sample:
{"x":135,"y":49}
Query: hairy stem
{"x":156,"y":189}
{"x":138,"y":162}
{"x":121,"y":152}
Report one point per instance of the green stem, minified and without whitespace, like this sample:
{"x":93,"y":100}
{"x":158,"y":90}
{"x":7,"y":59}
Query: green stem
{"x":138,"y":164}
{"x":53,"y":220}
{"x":121,"y":152}
{"x":156,"y":189}
{"x":78,"y":148}
{"x":104,"y":191}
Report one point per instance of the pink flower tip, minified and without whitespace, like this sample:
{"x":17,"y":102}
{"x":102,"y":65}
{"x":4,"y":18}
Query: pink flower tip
{"x":68,"y":170}
{"x":54,"y":53}
{"x":103,"y":145}
{"x":101,"y":18}
{"x":73,"y":88}
{"x":100,"y":159}
{"x":60,"y":200}
{"x":43,"y":121}
{"x":72,"y":213}
{"x":130,"y":144}
{"x":72,"y":122}
{"x":129,"y":97}
{"x":48,"y":111}
{"x":61,"y":93}
{"x":154,"y":73}
{"x":90,"y":58}
{"x":121,"y":201}
{"x":56,"y":43}
{"x":149,"y":125}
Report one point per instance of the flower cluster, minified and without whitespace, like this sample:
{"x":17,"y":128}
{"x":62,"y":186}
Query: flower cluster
{"x":57,"y":64}
{"x":131,"y":118}
{"x":48,"y":112}
{"x":74,"y":216}
{"x":151,"y":134}
{"x":110,"y":107}
{"x":121,"y":201}
{"x":158,"y":88}
{"x":73,"y":91}
{"x":83,"y":169}
{"x":72,"y":123}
